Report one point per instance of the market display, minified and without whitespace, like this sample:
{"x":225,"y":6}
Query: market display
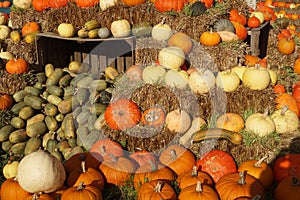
{"x":206,"y":107}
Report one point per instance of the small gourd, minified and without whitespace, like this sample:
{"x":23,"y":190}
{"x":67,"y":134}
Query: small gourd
{"x":104,"y":32}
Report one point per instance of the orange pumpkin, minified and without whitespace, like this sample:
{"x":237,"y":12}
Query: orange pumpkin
{"x":39,"y":5}
{"x":133,"y":2}
{"x":286,"y":99}
{"x":170,"y":5}
{"x":142,"y":157}
{"x":156,"y":190}
{"x":87,"y":175}
{"x":240,"y":30}
{"x":251,"y":60}
{"x":39,"y":197}
{"x":122,"y":114}
{"x":154,"y":116}
{"x":153,"y":171}
{"x":30,"y":27}
{"x":210,"y":38}
{"x":6,"y":101}
{"x":74,"y":161}
{"x":278,"y":89}
{"x":230,"y":121}
{"x":104,"y":148}
{"x":253,"y":22}
{"x":58,"y":3}
{"x":208,"y":3}
{"x":178,"y":158}
{"x":297,"y":66}
{"x":192,"y":177}
{"x":6,"y":4}
{"x":10,"y":189}
{"x":86,"y":3}
{"x":117,"y":170}
{"x":268,"y":2}
{"x":286,"y":166}
{"x":286,"y":46}
{"x":87,"y":192}
{"x":288,"y":189}
{"x":17,"y":66}
{"x":236,"y":16}
{"x":259,"y":170}
{"x":239,"y":184}
{"x":198,"y":191}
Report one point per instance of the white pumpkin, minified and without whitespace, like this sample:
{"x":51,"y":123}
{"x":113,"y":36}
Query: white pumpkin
{"x":66,"y":30}
{"x":178,"y":121}
{"x":154,"y":74}
{"x":285,"y":120}
{"x":10,"y":169}
{"x":4,"y":32}
{"x":256,"y":78}
{"x":23,"y":4}
{"x":161,"y":32}
{"x":227,"y":80}
{"x":171,"y":57}
{"x":260,"y":124}
{"x":178,"y":79}
{"x":239,"y":70}
{"x":120,"y":28}
{"x":104,"y":4}
{"x":40,"y":172}
{"x":201,"y":81}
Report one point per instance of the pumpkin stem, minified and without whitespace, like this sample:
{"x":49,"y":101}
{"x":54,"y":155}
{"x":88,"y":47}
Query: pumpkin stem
{"x":103,"y":150}
{"x":199,"y":187}
{"x":83,"y":166}
{"x":258,"y":163}
{"x":194,"y":171}
{"x":283,"y":110}
{"x":173,"y":154}
{"x":163,"y":21}
{"x":158,"y":187}
{"x":80,"y":186}
{"x":295,"y":181}
{"x":242,"y":180}
{"x":256,"y":197}
{"x":266,"y":113}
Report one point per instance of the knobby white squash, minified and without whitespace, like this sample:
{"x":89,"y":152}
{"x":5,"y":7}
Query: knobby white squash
{"x":154,"y":74}
{"x":227,"y":80}
{"x":178,"y":79}
{"x":260,"y":124}
{"x":120,"y":28}
{"x":201,"y":81}
{"x":256,"y":78}
{"x":285,"y":120}
{"x":171,"y":57}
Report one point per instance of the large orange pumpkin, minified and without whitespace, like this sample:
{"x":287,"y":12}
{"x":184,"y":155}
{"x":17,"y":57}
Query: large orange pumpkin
{"x":104,"y":148}
{"x":6,"y":101}
{"x":11,"y":190}
{"x":198,"y":191}
{"x":288,"y":189}
{"x":39,"y":197}
{"x":286,"y":166}
{"x":239,"y":184}
{"x":17,"y":66}
{"x":133,"y":2}
{"x":170,"y":5}
{"x":30,"y":27}
{"x":156,"y":190}
{"x":122,"y":114}
{"x":39,"y":5}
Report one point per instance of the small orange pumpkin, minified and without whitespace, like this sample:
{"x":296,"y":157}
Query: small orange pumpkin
{"x":259,"y":170}
{"x":6,"y":101}
{"x":286,"y":46}
{"x":83,"y":191}
{"x":154,"y":116}
{"x":278,"y":89}
{"x":210,"y":38}
{"x":156,"y":190}
{"x":253,"y":22}
{"x":17,"y":66}
{"x":251,"y":60}
{"x":198,"y":191}
{"x":230,"y":121}
{"x":297,"y":66}
{"x":36,"y":196}
{"x":30,"y":27}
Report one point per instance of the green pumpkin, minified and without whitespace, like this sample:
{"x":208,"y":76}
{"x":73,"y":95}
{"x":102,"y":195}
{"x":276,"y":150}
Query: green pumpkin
{"x":197,"y":8}
{"x":223,"y":25}
{"x":142,"y":29}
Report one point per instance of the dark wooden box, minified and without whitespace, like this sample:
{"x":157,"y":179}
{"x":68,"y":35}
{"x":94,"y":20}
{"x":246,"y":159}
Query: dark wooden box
{"x":258,"y":39}
{"x":99,"y":53}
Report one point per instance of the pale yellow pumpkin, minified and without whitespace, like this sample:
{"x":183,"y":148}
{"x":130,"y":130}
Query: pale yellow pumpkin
{"x":178,"y":79}
{"x":178,"y":121}
{"x":120,"y":28}
{"x":4,"y":32}
{"x":260,"y":124}
{"x":256,"y":78}
{"x":239,"y":70}
{"x":201,"y":81}
{"x":10,"y":169}
{"x":66,"y":30}
{"x":161,"y":32}
{"x":228,"y":80}
{"x":154,"y":74}
{"x":285,"y":120}
{"x":171,"y":57}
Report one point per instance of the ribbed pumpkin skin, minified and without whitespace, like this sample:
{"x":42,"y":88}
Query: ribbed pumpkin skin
{"x":133,"y":2}
{"x":191,"y":192}
{"x":86,"y":192}
{"x":11,"y":190}
{"x":150,"y":191}
{"x":169,"y":5}
{"x":6,"y":101}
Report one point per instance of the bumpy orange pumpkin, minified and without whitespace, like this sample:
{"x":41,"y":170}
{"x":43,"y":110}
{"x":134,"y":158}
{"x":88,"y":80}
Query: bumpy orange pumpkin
{"x":10,"y":189}
{"x":30,"y":27}
{"x":154,"y":116}
{"x":17,"y":66}
{"x":169,"y":5}
{"x":122,"y":114}
{"x":58,"y":3}
{"x":39,"y":5}
{"x":239,"y":184}
{"x":237,"y":16}
{"x":133,"y":2}
{"x":6,"y":101}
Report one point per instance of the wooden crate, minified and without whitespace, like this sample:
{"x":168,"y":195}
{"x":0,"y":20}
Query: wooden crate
{"x":258,"y":39}
{"x":99,"y":53}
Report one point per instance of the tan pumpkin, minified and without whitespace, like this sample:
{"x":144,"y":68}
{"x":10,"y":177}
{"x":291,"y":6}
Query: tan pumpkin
{"x":230,"y":121}
{"x":178,"y":121}
{"x":181,"y":40}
